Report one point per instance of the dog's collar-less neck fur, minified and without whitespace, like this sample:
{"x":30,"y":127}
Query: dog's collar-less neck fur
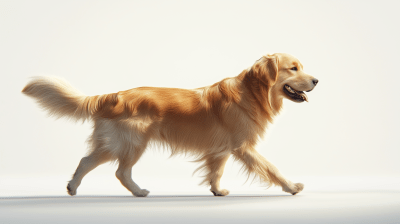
{"x":260,"y":93}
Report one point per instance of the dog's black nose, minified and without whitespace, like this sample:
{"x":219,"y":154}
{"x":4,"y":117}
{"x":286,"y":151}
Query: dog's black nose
{"x":315,"y":81}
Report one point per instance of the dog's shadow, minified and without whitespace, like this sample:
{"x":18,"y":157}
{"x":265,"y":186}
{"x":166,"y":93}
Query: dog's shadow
{"x":148,"y":197}
{"x":160,"y":201}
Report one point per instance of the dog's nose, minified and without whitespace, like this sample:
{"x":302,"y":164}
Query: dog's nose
{"x":315,"y":81}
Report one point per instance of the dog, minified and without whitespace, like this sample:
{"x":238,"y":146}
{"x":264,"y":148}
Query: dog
{"x":212,"y":123}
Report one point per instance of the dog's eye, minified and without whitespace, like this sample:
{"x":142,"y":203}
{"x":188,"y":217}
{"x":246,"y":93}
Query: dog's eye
{"x":294,"y":69}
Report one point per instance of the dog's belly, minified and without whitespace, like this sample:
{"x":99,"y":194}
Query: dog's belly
{"x":199,"y":132}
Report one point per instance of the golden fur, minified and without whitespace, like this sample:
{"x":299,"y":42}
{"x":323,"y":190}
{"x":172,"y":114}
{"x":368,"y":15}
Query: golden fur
{"x":212,"y":122}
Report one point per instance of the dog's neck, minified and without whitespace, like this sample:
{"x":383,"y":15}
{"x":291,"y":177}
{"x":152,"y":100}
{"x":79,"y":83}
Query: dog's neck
{"x":268,"y":103}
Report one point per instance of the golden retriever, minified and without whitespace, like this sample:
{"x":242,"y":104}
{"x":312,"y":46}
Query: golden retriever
{"x":212,"y":122}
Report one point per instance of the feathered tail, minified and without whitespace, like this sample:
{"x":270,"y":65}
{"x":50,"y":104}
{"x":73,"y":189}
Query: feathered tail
{"x":60,"y":99}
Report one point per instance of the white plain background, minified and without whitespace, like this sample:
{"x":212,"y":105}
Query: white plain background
{"x":348,"y":129}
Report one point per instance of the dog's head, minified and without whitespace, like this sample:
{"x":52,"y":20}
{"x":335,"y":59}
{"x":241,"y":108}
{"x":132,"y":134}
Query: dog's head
{"x":285,"y":76}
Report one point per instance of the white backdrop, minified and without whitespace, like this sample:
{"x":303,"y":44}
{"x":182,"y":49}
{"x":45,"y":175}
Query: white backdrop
{"x":349,"y":127}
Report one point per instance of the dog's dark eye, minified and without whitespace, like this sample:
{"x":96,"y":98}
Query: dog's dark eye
{"x":294,"y":69}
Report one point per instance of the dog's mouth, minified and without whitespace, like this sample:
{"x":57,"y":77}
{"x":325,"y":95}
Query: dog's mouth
{"x":295,"y":95}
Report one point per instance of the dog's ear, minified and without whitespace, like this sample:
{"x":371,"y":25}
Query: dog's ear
{"x":266,"y":69}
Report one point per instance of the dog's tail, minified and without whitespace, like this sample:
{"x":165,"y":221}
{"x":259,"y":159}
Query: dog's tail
{"x":60,"y":99}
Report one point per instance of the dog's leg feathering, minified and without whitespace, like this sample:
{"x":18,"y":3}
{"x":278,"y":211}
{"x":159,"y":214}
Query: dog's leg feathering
{"x":124,"y":172}
{"x":255,"y":163}
{"x":215,"y":168}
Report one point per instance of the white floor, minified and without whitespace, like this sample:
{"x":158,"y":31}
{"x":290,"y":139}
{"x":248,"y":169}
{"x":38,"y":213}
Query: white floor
{"x":367,"y":203}
{"x":310,"y":207}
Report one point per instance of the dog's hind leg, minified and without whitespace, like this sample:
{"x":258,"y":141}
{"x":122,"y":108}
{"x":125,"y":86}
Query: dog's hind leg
{"x":124,"y":171}
{"x":215,"y":167}
{"x":86,"y":165}
{"x":255,"y":163}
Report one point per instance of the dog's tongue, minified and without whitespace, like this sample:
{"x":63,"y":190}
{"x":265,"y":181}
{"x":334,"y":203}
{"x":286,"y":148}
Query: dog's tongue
{"x":305,"y":97}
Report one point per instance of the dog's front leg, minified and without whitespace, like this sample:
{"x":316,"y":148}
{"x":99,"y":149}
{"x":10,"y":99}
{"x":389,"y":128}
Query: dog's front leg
{"x":255,"y":163}
{"x":215,"y":168}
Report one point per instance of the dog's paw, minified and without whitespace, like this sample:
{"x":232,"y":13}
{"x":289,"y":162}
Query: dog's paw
{"x":222,"y":192}
{"x":299,"y":187}
{"x":70,"y":191}
{"x":294,"y":189}
{"x":141,"y":193}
